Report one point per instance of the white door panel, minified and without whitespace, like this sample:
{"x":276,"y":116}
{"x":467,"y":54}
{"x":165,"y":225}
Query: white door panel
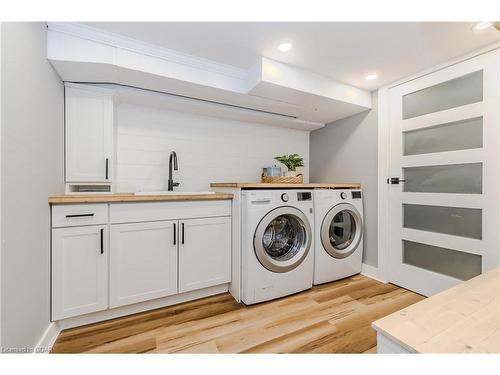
{"x":445,"y":176}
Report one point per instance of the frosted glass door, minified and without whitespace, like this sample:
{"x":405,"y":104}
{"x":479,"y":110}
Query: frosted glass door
{"x":444,"y":143}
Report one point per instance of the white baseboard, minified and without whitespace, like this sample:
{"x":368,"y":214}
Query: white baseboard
{"x":372,"y":272}
{"x":48,"y":339}
{"x":118,"y":312}
{"x":50,"y":335}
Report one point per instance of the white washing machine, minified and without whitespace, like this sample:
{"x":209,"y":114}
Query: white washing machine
{"x":338,"y":234}
{"x":277,"y":243}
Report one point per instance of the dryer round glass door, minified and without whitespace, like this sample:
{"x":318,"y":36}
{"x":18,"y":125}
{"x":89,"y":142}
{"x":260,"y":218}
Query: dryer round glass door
{"x":341,"y":230}
{"x":282,"y":239}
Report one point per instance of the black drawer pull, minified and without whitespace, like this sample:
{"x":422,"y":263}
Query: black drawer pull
{"x":182,"y":240}
{"x":102,"y":240}
{"x":107,"y":168}
{"x":175,"y":234}
{"x":80,"y":215}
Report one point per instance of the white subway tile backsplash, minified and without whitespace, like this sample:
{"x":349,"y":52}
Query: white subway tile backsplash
{"x":209,"y":149}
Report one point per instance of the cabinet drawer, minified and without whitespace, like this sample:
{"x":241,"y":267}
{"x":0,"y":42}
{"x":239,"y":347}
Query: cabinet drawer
{"x":155,"y":211}
{"x":70,"y":215}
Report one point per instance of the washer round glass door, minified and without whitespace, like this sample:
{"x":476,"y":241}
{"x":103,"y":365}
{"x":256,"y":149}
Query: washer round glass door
{"x":282,"y":239}
{"x":341,"y":230}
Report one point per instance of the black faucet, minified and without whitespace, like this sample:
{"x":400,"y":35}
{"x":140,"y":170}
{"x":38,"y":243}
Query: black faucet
{"x":171,"y":183}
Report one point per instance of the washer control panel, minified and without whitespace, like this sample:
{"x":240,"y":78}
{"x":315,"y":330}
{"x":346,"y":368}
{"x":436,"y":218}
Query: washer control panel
{"x":343,"y":195}
{"x":304,"y":196}
{"x":278,"y":197}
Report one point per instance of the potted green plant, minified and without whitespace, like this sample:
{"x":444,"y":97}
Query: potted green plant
{"x":291,"y":162}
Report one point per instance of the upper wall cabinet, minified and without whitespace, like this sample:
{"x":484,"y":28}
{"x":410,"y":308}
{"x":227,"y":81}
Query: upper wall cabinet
{"x":89,"y":113}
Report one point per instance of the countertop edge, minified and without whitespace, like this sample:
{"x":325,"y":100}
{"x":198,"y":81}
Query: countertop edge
{"x":130,"y":198}
{"x":261,"y":185}
{"x":481,"y":293}
{"x":393,"y":338}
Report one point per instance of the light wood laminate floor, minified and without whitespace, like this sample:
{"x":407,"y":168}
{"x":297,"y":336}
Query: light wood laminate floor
{"x":330,"y":318}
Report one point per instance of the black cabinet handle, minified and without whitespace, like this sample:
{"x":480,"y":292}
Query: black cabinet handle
{"x":107,"y":168}
{"x":80,"y":215}
{"x":182,"y":240}
{"x":102,"y":240}
{"x":175,"y":234}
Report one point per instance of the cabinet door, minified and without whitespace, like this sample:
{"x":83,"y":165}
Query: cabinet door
{"x":89,"y":134}
{"x":79,"y":270}
{"x":204,"y":253}
{"x":143,"y":262}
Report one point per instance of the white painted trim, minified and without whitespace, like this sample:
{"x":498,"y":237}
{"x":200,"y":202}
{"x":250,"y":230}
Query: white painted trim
{"x":48,"y":339}
{"x":98,"y":90}
{"x":371,"y":272}
{"x":111,"y":39}
{"x":140,"y":307}
{"x":383,"y":191}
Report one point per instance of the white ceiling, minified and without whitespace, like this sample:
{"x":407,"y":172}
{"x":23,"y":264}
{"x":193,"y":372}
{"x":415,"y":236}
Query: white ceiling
{"x":345,"y":51}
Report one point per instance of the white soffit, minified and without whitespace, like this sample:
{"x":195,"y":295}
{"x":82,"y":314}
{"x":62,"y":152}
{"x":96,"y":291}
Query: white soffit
{"x":83,"y":54}
{"x":322,"y":97}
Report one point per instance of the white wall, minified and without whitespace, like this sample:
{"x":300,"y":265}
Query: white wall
{"x":32,"y":145}
{"x":0,"y":185}
{"x":208,"y":149}
{"x":346,"y":151}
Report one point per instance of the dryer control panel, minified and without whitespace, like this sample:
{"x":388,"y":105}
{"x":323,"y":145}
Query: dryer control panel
{"x":356,"y":195}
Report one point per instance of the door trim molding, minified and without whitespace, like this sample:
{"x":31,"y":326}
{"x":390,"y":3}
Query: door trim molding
{"x":372,"y":272}
{"x":384,"y":155}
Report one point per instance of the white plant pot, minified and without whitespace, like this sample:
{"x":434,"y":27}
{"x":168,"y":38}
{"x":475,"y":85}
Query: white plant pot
{"x":290,"y":173}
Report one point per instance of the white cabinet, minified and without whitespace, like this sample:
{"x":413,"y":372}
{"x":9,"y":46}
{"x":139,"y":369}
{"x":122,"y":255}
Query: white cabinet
{"x":79,"y":270}
{"x":204,"y":253}
{"x":89,"y":113}
{"x":143,"y":262}
{"x":106,"y":256}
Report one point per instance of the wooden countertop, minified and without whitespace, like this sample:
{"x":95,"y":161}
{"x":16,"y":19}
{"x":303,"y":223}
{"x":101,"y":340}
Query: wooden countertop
{"x":129,"y":197}
{"x":261,"y":185}
{"x":462,"y":319}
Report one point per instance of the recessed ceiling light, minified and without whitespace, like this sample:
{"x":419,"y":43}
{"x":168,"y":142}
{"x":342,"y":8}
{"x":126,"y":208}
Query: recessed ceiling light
{"x":482,"y":25}
{"x":371,"y":77}
{"x":285,"y":47}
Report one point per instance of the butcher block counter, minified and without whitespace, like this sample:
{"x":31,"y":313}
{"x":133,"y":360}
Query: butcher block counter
{"x":462,"y":319}
{"x":262,"y":185}
{"x":129,"y":198}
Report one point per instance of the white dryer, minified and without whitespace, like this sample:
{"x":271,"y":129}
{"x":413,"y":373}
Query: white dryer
{"x":277,"y":243}
{"x":338,"y":252}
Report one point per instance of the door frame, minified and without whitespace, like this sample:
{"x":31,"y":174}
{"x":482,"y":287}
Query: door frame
{"x":383,"y":207}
